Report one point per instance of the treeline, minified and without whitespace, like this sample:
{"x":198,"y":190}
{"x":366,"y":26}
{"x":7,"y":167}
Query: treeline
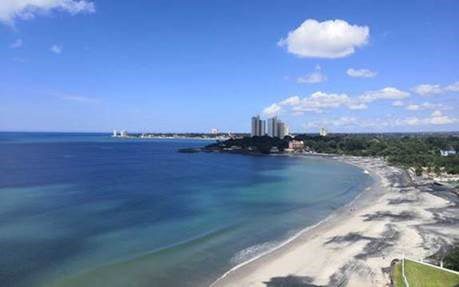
{"x":261,"y":144}
{"x":416,"y":151}
{"x":412,"y":150}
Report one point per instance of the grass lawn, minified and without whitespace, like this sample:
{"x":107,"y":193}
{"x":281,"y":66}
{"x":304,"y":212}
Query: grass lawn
{"x":397,"y":275}
{"x":420,"y":275}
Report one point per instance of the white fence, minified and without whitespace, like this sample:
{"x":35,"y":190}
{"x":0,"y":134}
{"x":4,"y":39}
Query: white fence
{"x":405,"y":280}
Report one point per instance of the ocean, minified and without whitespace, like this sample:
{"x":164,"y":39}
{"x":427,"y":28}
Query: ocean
{"x":91,"y":210}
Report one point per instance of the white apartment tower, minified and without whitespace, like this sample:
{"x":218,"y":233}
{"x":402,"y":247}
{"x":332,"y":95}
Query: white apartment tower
{"x":272,"y":127}
{"x":258,"y":127}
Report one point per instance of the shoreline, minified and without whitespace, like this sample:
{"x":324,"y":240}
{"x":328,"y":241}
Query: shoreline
{"x":366,"y":228}
{"x":304,"y":230}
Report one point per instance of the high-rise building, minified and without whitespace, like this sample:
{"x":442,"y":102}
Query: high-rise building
{"x":272,"y":127}
{"x":323,"y":132}
{"x":282,"y":129}
{"x":258,"y":127}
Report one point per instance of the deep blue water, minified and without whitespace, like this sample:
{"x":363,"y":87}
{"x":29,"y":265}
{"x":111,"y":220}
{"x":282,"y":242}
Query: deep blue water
{"x":89,"y":210}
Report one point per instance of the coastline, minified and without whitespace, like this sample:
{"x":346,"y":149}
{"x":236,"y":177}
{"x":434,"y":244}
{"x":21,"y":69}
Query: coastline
{"x":354,"y":246}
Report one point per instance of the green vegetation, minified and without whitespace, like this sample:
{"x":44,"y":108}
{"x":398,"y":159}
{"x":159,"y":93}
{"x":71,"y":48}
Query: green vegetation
{"x":420,"y":275}
{"x":397,"y":275}
{"x":409,"y":150}
{"x":451,"y":260}
{"x":262,"y":144}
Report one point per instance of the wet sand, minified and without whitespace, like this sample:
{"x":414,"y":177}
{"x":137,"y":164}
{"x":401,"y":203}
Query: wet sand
{"x":355,"y":245}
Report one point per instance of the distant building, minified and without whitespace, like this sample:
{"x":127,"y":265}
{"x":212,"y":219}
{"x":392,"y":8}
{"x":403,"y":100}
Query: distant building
{"x":214,"y":131}
{"x":115,"y":133}
{"x":272,"y":127}
{"x":123,"y":133}
{"x":276,"y":128}
{"x":447,"y":152}
{"x":258,"y":127}
{"x":296,"y":145}
{"x":323,"y":132}
{"x":282,"y":129}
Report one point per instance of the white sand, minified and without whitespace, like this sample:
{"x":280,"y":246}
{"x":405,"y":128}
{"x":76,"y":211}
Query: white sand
{"x":355,"y":246}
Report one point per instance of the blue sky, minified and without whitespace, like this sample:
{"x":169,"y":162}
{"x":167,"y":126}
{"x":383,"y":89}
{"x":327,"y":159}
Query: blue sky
{"x":179,"y":66}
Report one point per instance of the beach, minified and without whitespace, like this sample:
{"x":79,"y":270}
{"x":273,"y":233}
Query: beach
{"x":354,"y":246}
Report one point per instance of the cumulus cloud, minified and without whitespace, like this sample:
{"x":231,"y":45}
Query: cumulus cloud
{"x":398,"y":103}
{"x":388,"y":93}
{"x":272,"y":110}
{"x":327,"y":39}
{"x":436,"y":118}
{"x":427,"y":90}
{"x":424,"y":106}
{"x":313,"y":78}
{"x":16,"y":44}
{"x":319,"y":101}
{"x":316,"y":102}
{"x":454,"y":87}
{"x":360,"y":73}
{"x":56,"y":49}
{"x":10,"y":10}
{"x":435,"y":89}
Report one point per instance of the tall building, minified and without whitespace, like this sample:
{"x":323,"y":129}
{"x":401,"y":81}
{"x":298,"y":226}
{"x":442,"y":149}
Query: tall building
{"x":282,"y":129}
{"x":323,"y":132}
{"x":258,"y":127}
{"x":273,"y":130}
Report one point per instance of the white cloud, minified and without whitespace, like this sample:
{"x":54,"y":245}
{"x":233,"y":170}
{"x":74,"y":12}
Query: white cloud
{"x":328,"y":39}
{"x":292,"y":101}
{"x":413,"y":107}
{"x":355,"y":105}
{"x":313,"y":78}
{"x":272,"y":110}
{"x":435,"y":89}
{"x":321,"y":100}
{"x":10,"y":10}
{"x":454,"y":87}
{"x":316,"y":102}
{"x":424,"y":106}
{"x":427,"y":90}
{"x":16,"y":44}
{"x":360,"y":73}
{"x":436,"y":118}
{"x":388,"y":93}
{"x":56,"y":49}
{"x":437,"y":113}
{"x":398,"y":103}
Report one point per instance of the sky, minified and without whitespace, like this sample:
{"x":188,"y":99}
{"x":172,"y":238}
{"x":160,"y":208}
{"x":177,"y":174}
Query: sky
{"x":191,"y":66}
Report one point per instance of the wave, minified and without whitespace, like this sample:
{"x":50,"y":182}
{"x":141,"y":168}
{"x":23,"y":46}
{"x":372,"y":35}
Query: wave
{"x":278,"y":245}
{"x":252,"y":251}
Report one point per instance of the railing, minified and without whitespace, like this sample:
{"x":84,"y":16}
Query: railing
{"x":405,"y":281}
{"x":434,"y":266}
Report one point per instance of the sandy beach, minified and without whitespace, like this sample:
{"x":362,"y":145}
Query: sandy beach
{"x":355,"y":245}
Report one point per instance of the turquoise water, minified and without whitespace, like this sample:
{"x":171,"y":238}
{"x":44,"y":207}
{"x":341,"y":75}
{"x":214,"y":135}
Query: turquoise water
{"x":89,"y":210}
